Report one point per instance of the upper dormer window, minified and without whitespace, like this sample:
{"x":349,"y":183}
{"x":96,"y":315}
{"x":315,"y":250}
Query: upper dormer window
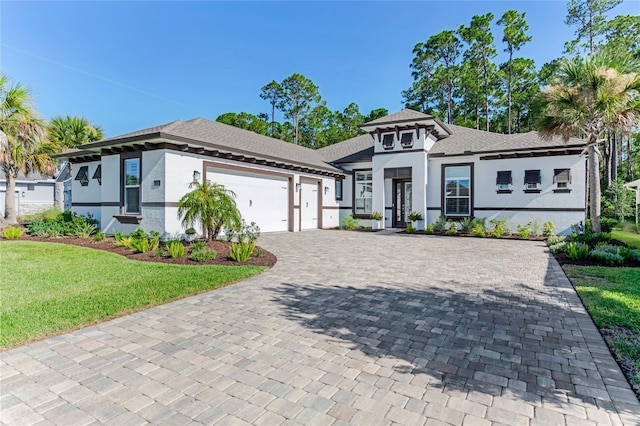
{"x":387,"y":141}
{"x":407,"y":140}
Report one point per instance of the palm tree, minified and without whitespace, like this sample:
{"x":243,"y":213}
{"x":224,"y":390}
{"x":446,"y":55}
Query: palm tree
{"x":24,"y":146}
{"x":592,"y":95}
{"x":211,"y":205}
{"x":72,"y":131}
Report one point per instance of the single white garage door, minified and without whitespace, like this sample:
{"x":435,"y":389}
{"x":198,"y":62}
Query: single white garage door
{"x":263,"y":199}
{"x":309,"y":204}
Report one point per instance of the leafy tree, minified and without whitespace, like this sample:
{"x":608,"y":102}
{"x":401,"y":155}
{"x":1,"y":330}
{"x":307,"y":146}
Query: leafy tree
{"x":272,"y":92}
{"x":246,"y":121}
{"x":349,"y":121}
{"x":375,"y":114}
{"x":592,"y":95}
{"x":212,"y":206}
{"x":24,"y":146}
{"x":514,"y":36}
{"x":298,"y":95}
{"x":589,"y":16}
{"x":479,"y":53}
{"x":622,"y":34}
{"x":72,"y":131}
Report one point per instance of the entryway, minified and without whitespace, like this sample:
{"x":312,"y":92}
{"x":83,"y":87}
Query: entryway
{"x":401,"y":202}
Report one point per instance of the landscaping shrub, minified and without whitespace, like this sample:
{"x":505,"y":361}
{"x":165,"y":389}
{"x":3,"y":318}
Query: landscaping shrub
{"x":466,"y":225}
{"x":81,"y":228}
{"x":548,"y":229}
{"x":535,"y":227}
{"x":410,"y":229}
{"x":200,"y":252}
{"x":248,"y":233}
{"x":478,"y":230}
{"x":629,"y":227}
{"x":500,"y":227}
{"x":175,"y":249}
{"x":241,"y":252}
{"x":453,"y":230}
{"x":415,"y":216}
{"x":99,"y":236}
{"x":439,"y":225}
{"x":428,"y":229}
{"x":139,"y":241}
{"x":12,"y":232}
{"x":607,"y":224}
{"x":350,"y":222}
{"x":524,"y":231}
{"x":577,"y":251}
{"x":606,"y":255}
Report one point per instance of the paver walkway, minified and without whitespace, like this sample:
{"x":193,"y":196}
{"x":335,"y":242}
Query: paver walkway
{"x":347,"y":328}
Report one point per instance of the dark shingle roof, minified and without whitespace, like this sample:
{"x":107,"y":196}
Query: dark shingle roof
{"x":400,"y":116}
{"x":350,"y":151}
{"x":464,"y":139}
{"x":212,"y":134}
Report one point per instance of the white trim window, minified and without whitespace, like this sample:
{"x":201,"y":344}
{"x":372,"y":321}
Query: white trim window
{"x":132,"y":186}
{"x":457,"y":191}
{"x":363,"y":192}
{"x":504,"y":180}
{"x":406,"y":139}
{"x":388,"y":141}
{"x":532,"y":180}
{"x":562,"y":178}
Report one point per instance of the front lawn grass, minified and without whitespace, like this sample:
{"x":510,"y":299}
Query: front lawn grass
{"x":612,"y":297}
{"x":629,"y":238}
{"x":48,"y":288}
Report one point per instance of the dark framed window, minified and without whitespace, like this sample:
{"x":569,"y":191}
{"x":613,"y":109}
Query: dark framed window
{"x":98,"y":174}
{"x":532,"y":180}
{"x":456,"y":190}
{"x":132,"y":185}
{"x":338,"y":189}
{"x":83,"y":175}
{"x":504,"y":181}
{"x":406,"y":140}
{"x":387,"y":141}
{"x":362,"y":192}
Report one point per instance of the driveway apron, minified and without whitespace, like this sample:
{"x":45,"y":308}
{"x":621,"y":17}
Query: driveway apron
{"x":347,"y":328}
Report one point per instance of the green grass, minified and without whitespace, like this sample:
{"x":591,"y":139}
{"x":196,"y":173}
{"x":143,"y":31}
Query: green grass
{"x":612,"y":297}
{"x":629,"y":238}
{"x":48,"y":288}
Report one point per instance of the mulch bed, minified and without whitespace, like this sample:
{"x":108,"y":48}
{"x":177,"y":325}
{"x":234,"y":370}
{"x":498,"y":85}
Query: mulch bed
{"x":260,"y":257}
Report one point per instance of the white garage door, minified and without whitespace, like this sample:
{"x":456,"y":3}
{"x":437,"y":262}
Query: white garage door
{"x":309,"y":205}
{"x":262,"y":199}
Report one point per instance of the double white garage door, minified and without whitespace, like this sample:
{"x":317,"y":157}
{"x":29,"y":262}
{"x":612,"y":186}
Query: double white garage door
{"x":264,"y":199}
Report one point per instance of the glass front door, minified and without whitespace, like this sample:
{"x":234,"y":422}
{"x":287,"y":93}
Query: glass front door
{"x":402,"y":203}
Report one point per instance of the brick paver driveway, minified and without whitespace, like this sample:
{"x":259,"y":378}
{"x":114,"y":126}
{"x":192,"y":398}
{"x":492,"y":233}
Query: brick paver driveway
{"x":348,"y":327}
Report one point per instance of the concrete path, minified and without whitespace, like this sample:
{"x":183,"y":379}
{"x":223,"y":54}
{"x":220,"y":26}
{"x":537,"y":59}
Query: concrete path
{"x":347,"y":328}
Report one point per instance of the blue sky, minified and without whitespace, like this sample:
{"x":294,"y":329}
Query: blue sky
{"x":131,"y":65}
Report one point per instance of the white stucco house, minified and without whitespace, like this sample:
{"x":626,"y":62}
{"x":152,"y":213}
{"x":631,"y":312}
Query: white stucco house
{"x":37,"y":192}
{"x":407,"y":161}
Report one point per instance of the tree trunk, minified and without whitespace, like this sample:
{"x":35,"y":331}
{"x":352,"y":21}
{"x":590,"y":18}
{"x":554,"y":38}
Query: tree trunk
{"x":594,"y":187}
{"x":509,"y":88}
{"x":295,"y":136}
{"x":273,"y":120}
{"x":629,"y":170}
{"x":614,"y":159}
{"x":58,"y":196}
{"x":606,"y":163}
{"x":10,"y":200}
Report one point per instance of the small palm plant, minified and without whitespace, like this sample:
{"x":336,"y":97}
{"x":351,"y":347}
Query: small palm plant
{"x":211,"y":205}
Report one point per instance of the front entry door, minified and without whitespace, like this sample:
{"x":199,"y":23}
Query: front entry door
{"x":401,"y":202}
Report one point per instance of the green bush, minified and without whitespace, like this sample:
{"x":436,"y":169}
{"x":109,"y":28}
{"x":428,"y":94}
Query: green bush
{"x":607,"y":255}
{"x":99,"y":236}
{"x":453,"y":230}
{"x":577,"y":251}
{"x":607,"y":224}
{"x":524,"y":231}
{"x":12,"y":232}
{"x":81,"y":229}
{"x":176,"y":249}
{"x":478,"y":230}
{"x":629,"y":227}
{"x":139,"y":241}
{"x":548,"y":229}
{"x":428,"y":229}
{"x":350,"y":222}
{"x":559,"y":247}
{"x":241,"y":252}
{"x":200,"y":252}
{"x":440,"y":224}
{"x":500,"y":227}
{"x":466,"y":226}
{"x":410,"y":229}
{"x":415,"y":216}
{"x":248,"y":233}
